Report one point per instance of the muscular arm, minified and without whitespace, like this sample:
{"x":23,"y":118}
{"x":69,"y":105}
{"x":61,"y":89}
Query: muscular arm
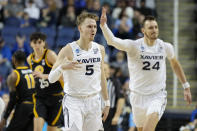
{"x":51,"y":59}
{"x":114,"y":41}
{"x":176,"y":67}
{"x":11,"y":82}
{"x":180,"y":74}
{"x":56,"y":72}
{"x":103,"y":78}
{"x":111,"y":39}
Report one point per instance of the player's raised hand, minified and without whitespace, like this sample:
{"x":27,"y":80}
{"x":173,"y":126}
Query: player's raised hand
{"x":187,"y":95}
{"x":70,"y":65}
{"x":103,"y":18}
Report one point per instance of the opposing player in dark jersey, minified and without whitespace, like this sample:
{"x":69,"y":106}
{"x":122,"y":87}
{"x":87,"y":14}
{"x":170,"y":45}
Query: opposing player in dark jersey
{"x":47,"y":99}
{"x":21,"y":84}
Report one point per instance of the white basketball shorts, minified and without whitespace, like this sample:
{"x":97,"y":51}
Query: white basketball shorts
{"x":143,"y":105}
{"x":82,"y":114}
{"x":2,"y":106}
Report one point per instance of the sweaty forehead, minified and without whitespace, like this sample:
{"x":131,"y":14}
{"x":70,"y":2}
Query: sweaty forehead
{"x":88,"y":21}
{"x":149,"y":23}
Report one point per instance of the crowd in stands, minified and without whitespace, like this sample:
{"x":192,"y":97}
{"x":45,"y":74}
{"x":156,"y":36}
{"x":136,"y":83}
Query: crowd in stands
{"x":56,"y":18}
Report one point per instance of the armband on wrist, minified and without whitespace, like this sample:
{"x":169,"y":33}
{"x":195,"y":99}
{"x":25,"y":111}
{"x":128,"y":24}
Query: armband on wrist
{"x":186,"y":85}
{"x":107,"y":103}
{"x":59,"y":69}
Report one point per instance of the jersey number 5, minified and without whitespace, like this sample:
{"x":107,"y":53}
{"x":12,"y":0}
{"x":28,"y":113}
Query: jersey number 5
{"x":147,"y":66}
{"x":89,"y":70}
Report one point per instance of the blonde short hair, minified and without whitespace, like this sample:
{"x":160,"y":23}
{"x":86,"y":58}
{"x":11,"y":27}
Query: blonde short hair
{"x":84,"y":15}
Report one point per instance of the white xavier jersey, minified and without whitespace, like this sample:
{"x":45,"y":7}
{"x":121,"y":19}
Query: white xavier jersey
{"x":87,"y":79}
{"x":147,"y":65}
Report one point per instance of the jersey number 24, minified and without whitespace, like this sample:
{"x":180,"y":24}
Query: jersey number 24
{"x":147,"y":66}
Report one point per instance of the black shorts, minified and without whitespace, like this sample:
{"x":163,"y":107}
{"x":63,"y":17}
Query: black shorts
{"x":22,"y":119}
{"x":49,"y":108}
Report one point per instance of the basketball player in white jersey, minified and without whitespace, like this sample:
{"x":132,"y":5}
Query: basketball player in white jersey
{"x":147,"y":68}
{"x":81,"y":63}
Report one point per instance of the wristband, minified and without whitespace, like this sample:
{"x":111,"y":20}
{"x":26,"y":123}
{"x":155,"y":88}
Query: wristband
{"x":185,"y":85}
{"x":107,"y":103}
{"x":59,"y":69}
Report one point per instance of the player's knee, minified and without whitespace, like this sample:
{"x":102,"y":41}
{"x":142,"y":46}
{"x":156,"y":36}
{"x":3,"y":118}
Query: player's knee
{"x":154,"y":116}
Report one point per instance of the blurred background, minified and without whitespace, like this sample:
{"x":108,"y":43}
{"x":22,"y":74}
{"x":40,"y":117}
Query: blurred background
{"x":177,"y":21}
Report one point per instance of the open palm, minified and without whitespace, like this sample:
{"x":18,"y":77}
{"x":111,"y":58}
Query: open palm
{"x":103,"y":18}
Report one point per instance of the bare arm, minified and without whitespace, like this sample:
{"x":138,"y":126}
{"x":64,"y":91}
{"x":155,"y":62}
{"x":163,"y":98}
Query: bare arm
{"x":111,"y":39}
{"x":51,"y":57}
{"x":118,"y":112}
{"x":12,"y":81}
{"x":176,"y":67}
{"x":104,"y":91}
{"x":103,"y":78}
{"x":64,"y":62}
{"x":65,"y":53}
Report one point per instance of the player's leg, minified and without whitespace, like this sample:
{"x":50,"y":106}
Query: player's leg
{"x":22,"y":118}
{"x":93,"y":119}
{"x":38,"y":123}
{"x":40,"y":114}
{"x":155,"y":110}
{"x":139,"y":129}
{"x":139,"y":116}
{"x":151,"y":122}
{"x":54,"y":118}
{"x":51,"y":128}
{"x":73,"y":117}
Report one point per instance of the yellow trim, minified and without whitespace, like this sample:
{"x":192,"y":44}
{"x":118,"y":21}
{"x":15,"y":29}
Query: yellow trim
{"x":32,"y":81}
{"x":61,"y":83}
{"x":49,"y":65}
{"x":22,"y":67}
{"x":28,"y":102}
{"x":18,"y":77}
{"x":37,"y":61}
{"x":34,"y":109}
{"x":59,"y":94}
{"x":57,"y":117}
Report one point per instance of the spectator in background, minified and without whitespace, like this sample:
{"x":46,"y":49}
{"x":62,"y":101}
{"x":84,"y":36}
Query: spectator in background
{"x":110,"y":2}
{"x":67,"y":17}
{"x":5,"y":65}
{"x":32,"y":10}
{"x":147,"y":5}
{"x":13,"y":9}
{"x":40,"y":3}
{"x":193,"y":116}
{"x":3,"y":3}
{"x":122,"y":5}
{"x":21,"y":44}
{"x":121,"y":63}
{"x":116,"y":99}
{"x":48,"y":14}
{"x":123,"y":27}
{"x":25,"y":20}
{"x":5,"y":53}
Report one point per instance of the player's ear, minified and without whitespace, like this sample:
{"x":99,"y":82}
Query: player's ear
{"x":142,"y":29}
{"x":79,"y":28}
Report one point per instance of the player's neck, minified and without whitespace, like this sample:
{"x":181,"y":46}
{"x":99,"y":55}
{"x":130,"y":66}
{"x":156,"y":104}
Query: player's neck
{"x":84,"y":44}
{"x":19,"y":65}
{"x":38,"y":53}
{"x":149,"y":42}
